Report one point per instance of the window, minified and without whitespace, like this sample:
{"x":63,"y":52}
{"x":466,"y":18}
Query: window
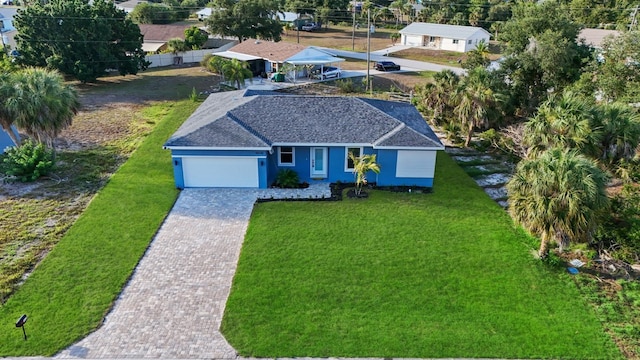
{"x":348,"y":163}
{"x":455,"y":41}
{"x":469,"y":41}
{"x":286,"y":156}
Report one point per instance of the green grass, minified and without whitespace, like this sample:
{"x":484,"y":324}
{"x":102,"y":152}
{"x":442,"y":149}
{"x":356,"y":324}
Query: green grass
{"x":70,"y":291}
{"x":404,"y":275}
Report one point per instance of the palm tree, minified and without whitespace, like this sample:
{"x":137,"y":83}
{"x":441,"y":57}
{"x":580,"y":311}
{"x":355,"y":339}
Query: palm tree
{"x":558,"y":196}
{"x":40,"y":103}
{"x":472,"y":98}
{"x":437,"y":95}
{"x":362,"y":165}
{"x":177,"y":46}
{"x":620,"y":132}
{"x":238,"y":71}
{"x":563,"y":122}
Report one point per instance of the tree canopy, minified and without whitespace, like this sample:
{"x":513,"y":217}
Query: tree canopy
{"x":246,"y":19}
{"x":80,"y":40}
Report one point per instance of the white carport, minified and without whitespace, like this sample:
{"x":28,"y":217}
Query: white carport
{"x":309,"y":58}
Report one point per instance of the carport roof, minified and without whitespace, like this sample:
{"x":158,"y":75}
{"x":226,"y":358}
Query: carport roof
{"x":247,"y":120}
{"x":235,"y":55}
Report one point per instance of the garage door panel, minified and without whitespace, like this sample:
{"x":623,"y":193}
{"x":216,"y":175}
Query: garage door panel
{"x":220,"y":172}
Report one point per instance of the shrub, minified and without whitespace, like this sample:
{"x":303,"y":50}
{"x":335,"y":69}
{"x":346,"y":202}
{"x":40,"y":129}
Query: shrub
{"x":347,"y":86}
{"x":287,"y":178}
{"x":27,"y":162}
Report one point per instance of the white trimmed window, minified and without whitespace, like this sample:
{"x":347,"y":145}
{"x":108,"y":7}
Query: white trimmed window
{"x":469,"y":41}
{"x":286,"y":156}
{"x":348,"y":163}
{"x":455,"y":41}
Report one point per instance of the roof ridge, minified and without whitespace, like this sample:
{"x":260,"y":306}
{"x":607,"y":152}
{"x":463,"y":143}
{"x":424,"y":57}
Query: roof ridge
{"x":249,"y":129}
{"x":390,"y":133}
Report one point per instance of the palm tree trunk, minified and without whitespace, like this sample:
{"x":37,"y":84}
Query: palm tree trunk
{"x":469,"y":134}
{"x":544,"y":247}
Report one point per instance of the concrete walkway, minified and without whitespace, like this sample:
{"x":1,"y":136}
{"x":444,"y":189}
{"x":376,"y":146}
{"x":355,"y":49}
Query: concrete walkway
{"x":173,"y":306}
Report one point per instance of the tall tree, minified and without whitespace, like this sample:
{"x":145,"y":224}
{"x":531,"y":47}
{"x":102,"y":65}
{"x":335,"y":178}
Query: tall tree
{"x":246,"y":19}
{"x":558,"y":196}
{"x":195,"y":38}
{"x":562,"y":122}
{"x":39,"y":103}
{"x":619,"y":125}
{"x":436,"y":97}
{"x":542,"y":53}
{"x":79,"y":39}
{"x":473,"y":97}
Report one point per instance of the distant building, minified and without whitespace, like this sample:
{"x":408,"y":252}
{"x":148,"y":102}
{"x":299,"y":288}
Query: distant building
{"x":443,"y":37}
{"x":595,"y":37}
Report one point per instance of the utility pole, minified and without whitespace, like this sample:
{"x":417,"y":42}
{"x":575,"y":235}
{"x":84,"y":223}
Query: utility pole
{"x":298,"y":28}
{"x":353,"y":33}
{"x":369,"y":82}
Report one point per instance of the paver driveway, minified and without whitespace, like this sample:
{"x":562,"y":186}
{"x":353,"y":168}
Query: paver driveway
{"x":173,"y":305}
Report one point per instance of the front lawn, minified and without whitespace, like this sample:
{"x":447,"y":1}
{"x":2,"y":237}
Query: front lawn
{"x":403,"y":275}
{"x":69,"y":292}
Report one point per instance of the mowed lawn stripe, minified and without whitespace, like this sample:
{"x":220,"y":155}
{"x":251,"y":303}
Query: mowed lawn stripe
{"x":403,"y":275}
{"x":69,"y":293}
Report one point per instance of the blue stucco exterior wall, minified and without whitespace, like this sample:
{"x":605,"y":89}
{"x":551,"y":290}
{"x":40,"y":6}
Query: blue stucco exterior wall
{"x":302,"y":165}
{"x":387,"y":160}
{"x":5,"y":140}
{"x":268,"y":167}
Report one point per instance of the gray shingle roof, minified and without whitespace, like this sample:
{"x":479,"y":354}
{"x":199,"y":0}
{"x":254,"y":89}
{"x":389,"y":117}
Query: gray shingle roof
{"x":442,"y":30}
{"x":231,"y":120}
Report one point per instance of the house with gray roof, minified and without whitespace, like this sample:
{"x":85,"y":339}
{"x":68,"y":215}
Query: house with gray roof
{"x":244,"y":138}
{"x":443,"y":37}
{"x":5,"y":139}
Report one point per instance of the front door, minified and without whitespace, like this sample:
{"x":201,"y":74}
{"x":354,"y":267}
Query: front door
{"x":318,"y":162}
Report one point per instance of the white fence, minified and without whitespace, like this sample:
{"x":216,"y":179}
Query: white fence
{"x":193,"y":56}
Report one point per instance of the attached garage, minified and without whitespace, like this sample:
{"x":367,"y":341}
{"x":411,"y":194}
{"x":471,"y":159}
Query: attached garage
{"x":412,"y":40}
{"x":220,"y":171}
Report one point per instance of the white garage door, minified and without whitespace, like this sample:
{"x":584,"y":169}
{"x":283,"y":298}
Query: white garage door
{"x":220,"y":171}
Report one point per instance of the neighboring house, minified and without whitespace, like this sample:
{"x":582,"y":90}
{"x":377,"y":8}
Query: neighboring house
{"x":244,"y":138}
{"x":204,"y":13}
{"x":5,"y":139}
{"x":287,"y":17}
{"x":7,"y":30}
{"x":443,"y":37}
{"x":269,"y":56}
{"x":594,"y":37}
{"x":157,"y":36}
{"x":128,"y":6}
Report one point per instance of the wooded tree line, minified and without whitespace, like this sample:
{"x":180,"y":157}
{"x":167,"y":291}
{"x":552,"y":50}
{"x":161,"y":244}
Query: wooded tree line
{"x":566,"y":111}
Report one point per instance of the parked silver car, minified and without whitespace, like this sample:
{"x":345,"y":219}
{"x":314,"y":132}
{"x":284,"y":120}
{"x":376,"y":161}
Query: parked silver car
{"x":326,"y":73}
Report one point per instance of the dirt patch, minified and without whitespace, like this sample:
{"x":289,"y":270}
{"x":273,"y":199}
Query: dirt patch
{"x":340,"y":37}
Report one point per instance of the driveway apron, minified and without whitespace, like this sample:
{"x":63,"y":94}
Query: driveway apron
{"x":173,"y":305}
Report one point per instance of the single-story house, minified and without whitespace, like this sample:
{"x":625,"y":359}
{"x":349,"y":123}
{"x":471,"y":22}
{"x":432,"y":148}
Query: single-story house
{"x":5,"y":139}
{"x":595,"y":37}
{"x":443,"y":37}
{"x":244,"y":138}
{"x":204,"y":13}
{"x":268,"y":56}
{"x":7,"y":30}
{"x":128,"y":6}
{"x":155,"y":37}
